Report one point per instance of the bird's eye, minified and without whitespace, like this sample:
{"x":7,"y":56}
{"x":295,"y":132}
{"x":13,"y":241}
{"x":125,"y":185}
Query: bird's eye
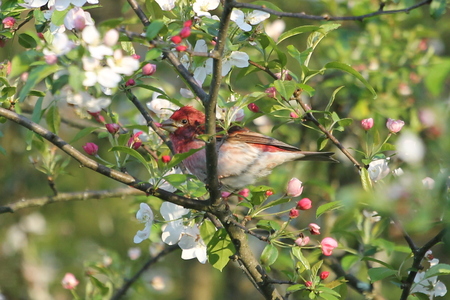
{"x":184,"y":121}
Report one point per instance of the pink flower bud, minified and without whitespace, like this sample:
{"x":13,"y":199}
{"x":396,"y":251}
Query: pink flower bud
{"x":302,"y":241}
{"x":283,"y":75}
{"x":97,"y":116}
{"x":366,"y":124}
{"x":308,"y":283}
{"x":181,"y":48}
{"x":314,"y":229}
{"x":111,"y":37}
{"x":8,"y":22}
{"x":149,"y":69}
{"x":134,"y":141}
{"x":394,"y":126}
{"x":244,"y":193}
{"x":271,"y":92}
{"x":188,"y":23}
{"x":176,"y":39}
{"x":90,"y":148}
{"x":253,"y":107}
{"x":324,"y":275}
{"x":50,"y":59}
{"x":130,"y":82}
{"x":185,"y":32}
{"x":294,"y":188}
{"x":136,"y":56}
{"x":293,"y":115}
{"x":293,"y":213}
{"x":304,"y":204}
{"x":69,"y":281}
{"x":112,"y":128}
{"x":165,"y":158}
{"x":41,"y":35}
{"x":269,"y":193}
{"x":328,"y":244}
{"x":225,"y":194}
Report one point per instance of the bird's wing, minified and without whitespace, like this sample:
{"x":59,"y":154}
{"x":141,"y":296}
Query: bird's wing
{"x":243,"y":135}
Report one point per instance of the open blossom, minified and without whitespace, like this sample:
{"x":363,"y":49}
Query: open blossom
{"x":202,"y":7}
{"x":69,"y":281}
{"x":161,"y":107}
{"x":236,"y":58}
{"x":134,"y":141}
{"x":328,"y":244}
{"x":410,"y":148}
{"x":430,"y":286}
{"x":275,"y":29}
{"x":244,"y":21}
{"x":394,"y":126}
{"x":314,"y":228}
{"x":302,"y":241}
{"x":85,"y":101}
{"x":8,"y":22}
{"x":96,"y":48}
{"x":144,"y":215}
{"x":60,"y":45}
{"x":59,"y":5}
{"x":78,"y":19}
{"x":378,"y":169}
{"x":166,"y":4}
{"x":121,"y":64}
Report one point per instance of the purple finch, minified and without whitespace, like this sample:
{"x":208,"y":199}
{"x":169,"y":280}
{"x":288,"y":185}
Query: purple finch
{"x":243,"y":155}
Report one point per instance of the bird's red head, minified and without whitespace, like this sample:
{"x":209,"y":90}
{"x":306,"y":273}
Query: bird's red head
{"x":186,"y":116}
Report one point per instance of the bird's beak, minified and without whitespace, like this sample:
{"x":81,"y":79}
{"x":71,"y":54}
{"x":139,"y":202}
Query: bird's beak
{"x":169,"y":125}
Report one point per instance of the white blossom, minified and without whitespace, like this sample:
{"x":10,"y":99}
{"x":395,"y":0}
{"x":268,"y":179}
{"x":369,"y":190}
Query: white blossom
{"x":236,"y":58}
{"x":244,"y":21}
{"x":410,"y":147}
{"x":161,"y":107}
{"x":57,"y":4}
{"x":163,"y":184}
{"x":144,"y":215}
{"x":122,"y":64}
{"x":60,"y":45}
{"x":202,"y":7}
{"x":85,"y":101}
{"x":378,"y":169}
{"x":275,"y":29}
{"x":166,"y":4}
{"x":429,"y":286}
{"x":77,"y":18}
{"x":193,"y":245}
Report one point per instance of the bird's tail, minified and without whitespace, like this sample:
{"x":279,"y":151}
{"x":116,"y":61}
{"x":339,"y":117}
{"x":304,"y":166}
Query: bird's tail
{"x":318,"y":156}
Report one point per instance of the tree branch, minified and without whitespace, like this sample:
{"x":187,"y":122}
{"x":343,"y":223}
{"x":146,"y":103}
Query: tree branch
{"x":66,"y":197}
{"x":124,"y":288}
{"x":327,"y":17}
{"x":99,"y":168}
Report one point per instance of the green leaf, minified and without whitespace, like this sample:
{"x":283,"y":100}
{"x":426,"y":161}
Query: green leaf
{"x":133,"y":153}
{"x":368,"y":258}
{"x":346,"y":68}
{"x":315,"y":269}
{"x":297,"y":30}
{"x":268,"y":225}
{"x":258,"y":194}
{"x":330,"y":206}
{"x":296,"y":287}
{"x":58,"y":17}
{"x":365,"y":179}
{"x":27,"y":41}
{"x":269,"y":255}
{"x":220,"y":248}
{"x":21,"y":62}
{"x":387,"y":147}
{"x":438,"y":8}
{"x":176,"y":180}
{"x":438,"y":270}
{"x":345,"y":122}
{"x":76,"y":77}
{"x":153,"y":29}
{"x":177,"y":158}
{"x":299,"y":56}
{"x":35,"y":76}
{"x":376,"y":274}
{"x":207,"y":231}
{"x":297,"y":252}
{"x":436,"y":76}
{"x":285,"y":88}
{"x":2,"y":150}
{"x":276,"y":202}
{"x":153,"y":53}
{"x":53,"y":118}
{"x":82,"y":133}
{"x":333,"y":96}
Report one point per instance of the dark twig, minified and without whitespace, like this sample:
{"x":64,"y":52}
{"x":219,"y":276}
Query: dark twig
{"x":128,"y":283}
{"x":327,"y":17}
{"x":327,"y":133}
{"x":248,"y":231}
{"x":99,"y":168}
{"x":360,"y":286}
{"x":65,"y":197}
{"x":265,"y":69}
{"x":419,"y":254}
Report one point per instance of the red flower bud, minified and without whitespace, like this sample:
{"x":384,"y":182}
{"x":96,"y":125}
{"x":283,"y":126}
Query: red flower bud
{"x":271,"y":92}
{"x":269,"y":193}
{"x":328,"y":244}
{"x":244,"y":193}
{"x":130,"y":82}
{"x":253,"y":107}
{"x":181,"y":48}
{"x":185,"y":32}
{"x":293,"y":213}
{"x":90,"y":148}
{"x":304,"y":204}
{"x":176,"y":39}
{"x":149,"y":69}
{"x":308,"y":283}
{"x":112,"y":128}
{"x":188,"y":23}
{"x":69,"y":281}
{"x":165,"y":158}
{"x":324,"y":275}
{"x":293,"y":115}
{"x":97,"y":116}
{"x":136,"y":56}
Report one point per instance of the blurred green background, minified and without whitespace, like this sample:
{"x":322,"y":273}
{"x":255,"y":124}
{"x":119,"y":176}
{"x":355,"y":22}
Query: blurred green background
{"x":405,"y":57}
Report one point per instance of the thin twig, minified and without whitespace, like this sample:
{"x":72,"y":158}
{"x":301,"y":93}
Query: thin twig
{"x":128,"y":283}
{"x":248,"y":231}
{"x":328,"y":17}
{"x":265,"y":69}
{"x":66,"y":197}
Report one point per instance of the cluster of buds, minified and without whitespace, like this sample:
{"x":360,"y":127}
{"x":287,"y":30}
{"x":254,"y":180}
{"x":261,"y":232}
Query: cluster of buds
{"x":184,"y":33}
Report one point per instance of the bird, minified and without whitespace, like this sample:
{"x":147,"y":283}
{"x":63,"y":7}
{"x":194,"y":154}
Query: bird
{"x":244,"y":156}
